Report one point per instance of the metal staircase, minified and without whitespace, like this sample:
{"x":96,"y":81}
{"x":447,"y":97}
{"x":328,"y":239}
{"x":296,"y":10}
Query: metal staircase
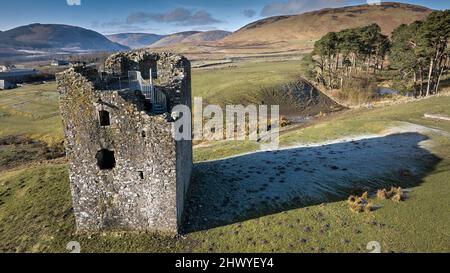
{"x":156,"y":98}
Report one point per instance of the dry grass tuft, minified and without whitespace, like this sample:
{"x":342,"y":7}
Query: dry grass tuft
{"x":395,"y":194}
{"x":360,"y":204}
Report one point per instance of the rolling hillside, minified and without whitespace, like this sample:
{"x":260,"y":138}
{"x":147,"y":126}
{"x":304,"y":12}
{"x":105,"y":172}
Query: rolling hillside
{"x":290,"y":35}
{"x":191,"y":38}
{"x":293,"y":35}
{"x":313,"y":25}
{"x":207,"y":36}
{"x":173,"y":39}
{"x":56,"y":37}
{"x":135,"y":40}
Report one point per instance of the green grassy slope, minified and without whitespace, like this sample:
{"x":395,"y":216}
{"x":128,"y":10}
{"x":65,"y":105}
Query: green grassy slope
{"x":36,"y":214}
{"x":418,"y":225}
{"x":31,"y":111}
{"x":241,"y":84}
{"x":35,"y":205}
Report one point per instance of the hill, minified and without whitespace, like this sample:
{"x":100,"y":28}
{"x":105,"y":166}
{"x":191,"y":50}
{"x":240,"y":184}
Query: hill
{"x":56,"y":37}
{"x":207,"y":36}
{"x":190,"y":38}
{"x":293,"y":35}
{"x":313,"y":25}
{"x":173,"y":38}
{"x":135,"y":40}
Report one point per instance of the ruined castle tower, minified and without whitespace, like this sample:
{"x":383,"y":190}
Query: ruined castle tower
{"x":126,"y":170}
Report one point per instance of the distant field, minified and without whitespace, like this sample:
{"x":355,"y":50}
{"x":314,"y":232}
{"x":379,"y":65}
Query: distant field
{"x":32,"y":111}
{"x":242,"y":84}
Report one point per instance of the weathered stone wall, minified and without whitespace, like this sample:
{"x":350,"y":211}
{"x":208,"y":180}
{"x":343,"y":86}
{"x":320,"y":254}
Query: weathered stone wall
{"x":141,"y":60}
{"x":145,"y":189}
{"x":172,"y":77}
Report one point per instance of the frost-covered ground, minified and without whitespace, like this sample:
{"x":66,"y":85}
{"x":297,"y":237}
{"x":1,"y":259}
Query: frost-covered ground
{"x":261,"y":183}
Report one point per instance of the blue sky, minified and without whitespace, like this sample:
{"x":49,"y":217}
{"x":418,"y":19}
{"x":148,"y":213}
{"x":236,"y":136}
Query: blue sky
{"x":163,"y":16}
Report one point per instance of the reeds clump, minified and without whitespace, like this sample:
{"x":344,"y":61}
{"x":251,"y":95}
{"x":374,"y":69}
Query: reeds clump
{"x":360,"y":204}
{"x":394,"y":194}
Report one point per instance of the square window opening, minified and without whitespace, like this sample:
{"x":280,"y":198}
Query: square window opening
{"x":104,"y":118}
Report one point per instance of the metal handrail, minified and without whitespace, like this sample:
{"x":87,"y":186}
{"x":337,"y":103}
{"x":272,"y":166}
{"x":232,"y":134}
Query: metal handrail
{"x":157,"y":98}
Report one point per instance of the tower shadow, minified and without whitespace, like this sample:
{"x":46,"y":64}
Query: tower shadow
{"x":254,"y":185}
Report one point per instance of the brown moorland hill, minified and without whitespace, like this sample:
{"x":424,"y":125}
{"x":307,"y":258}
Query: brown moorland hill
{"x":207,"y":36}
{"x":313,"y":25}
{"x":291,"y":35}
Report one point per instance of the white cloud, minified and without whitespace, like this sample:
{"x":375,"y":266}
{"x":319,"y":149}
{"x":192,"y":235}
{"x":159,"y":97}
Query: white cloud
{"x":249,"y":13}
{"x":300,"y":6}
{"x":374,"y":2}
{"x":73,"y":2}
{"x":180,"y":16}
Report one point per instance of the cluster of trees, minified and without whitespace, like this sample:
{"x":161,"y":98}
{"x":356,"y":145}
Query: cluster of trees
{"x":418,"y":53}
{"x":350,"y":51}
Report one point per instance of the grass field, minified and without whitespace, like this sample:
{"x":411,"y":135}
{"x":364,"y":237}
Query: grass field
{"x":32,"y":111}
{"x":240,"y":85}
{"x":36,"y":213}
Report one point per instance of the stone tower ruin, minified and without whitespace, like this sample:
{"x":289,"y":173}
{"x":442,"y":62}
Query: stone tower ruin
{"x":126,"y":170}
